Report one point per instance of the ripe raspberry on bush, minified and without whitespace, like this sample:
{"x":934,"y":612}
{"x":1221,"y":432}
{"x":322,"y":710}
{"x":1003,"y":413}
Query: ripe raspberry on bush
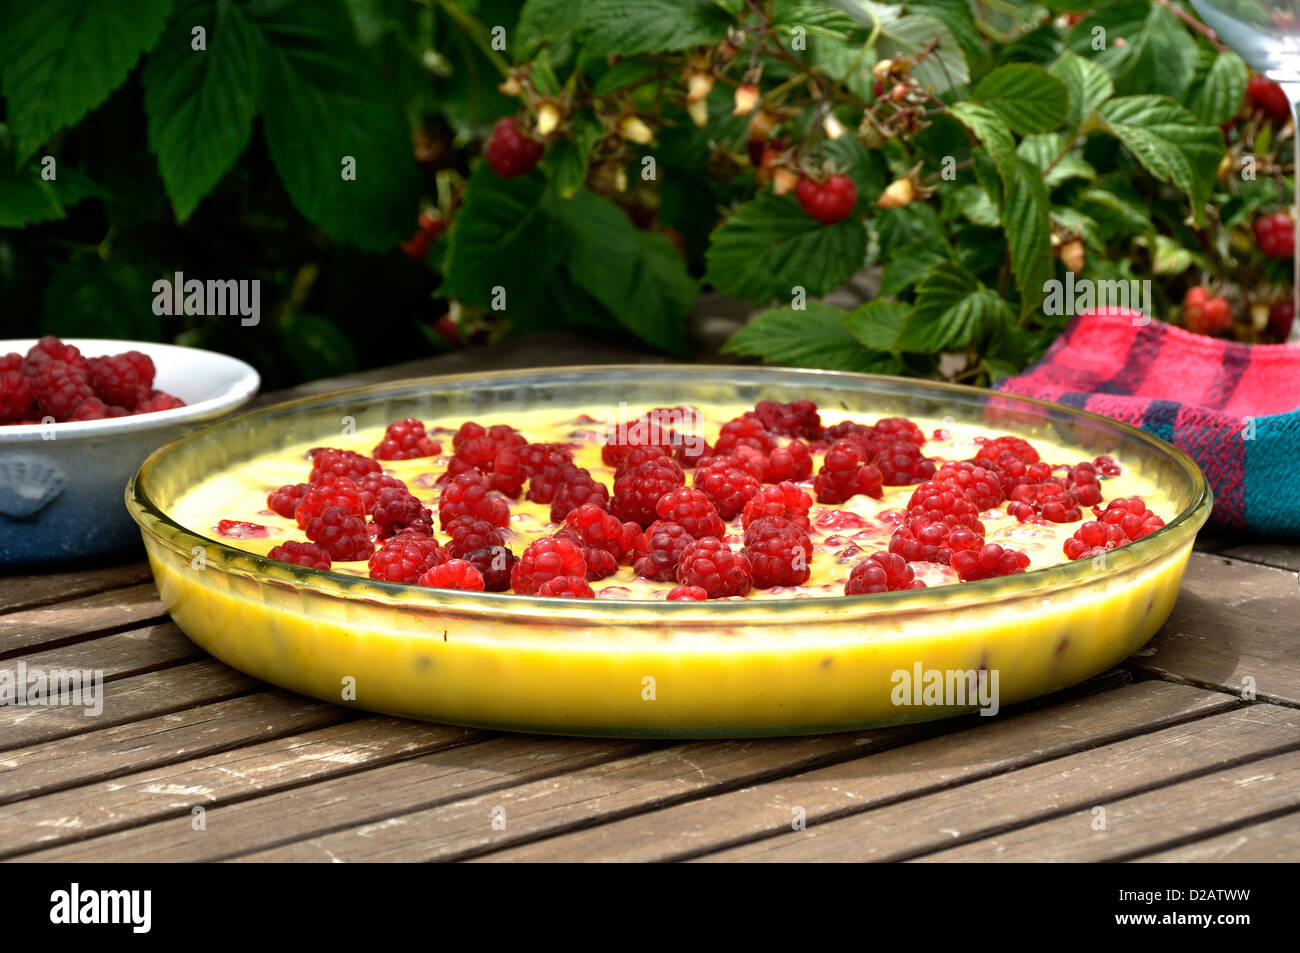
{"x":728,"y":487}
{"x":16,"y":401}
{"x":1268,"y":97}
{"x":845,"y":473}
{"x":710,"y":564}
{"x":406,"y":440}
{"x":494,"y":564}
{"x":578,"y":489}
{"x":395,"y":511}
{"x":828,"y":202}
{"x":780,"y":499}
{"x":566,"y":587}
{"x":1203,"y":314}
{"x":920,"y":540}
{"x":453,"y":574}
{"x":636,"y":493}
{"x":687,"y":594}
{"x":465,"y":534}
{"x":544,"y":559}
{"x":50,"y":348}
{"x":301,"y":554}
{"x":779,"y":553}
{"x":793,"y":462}
{"x":988,"y":561}
{"x":797,"y":419}
{"x":1280,"y":318}
{"x":406,"y":557}
{"x":341,"y":533}
{"x":980,"y":485}
{"x":658,"y":551}
{"x":122,"y":379}
{"x":881,"y":572}
{"x":601,"y":530}
{"x":1275,"y":235}
{"x":692,"y":510}
{"x":340,"y":463}
{"x":509,"y":152}
{"x":59,"y":388}
{"x":157,"y":401}
{"x":468,"y":495}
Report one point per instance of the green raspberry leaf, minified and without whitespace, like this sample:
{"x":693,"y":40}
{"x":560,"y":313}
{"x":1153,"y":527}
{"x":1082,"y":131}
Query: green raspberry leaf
{"x":623,"y":27}
{"x":877,"y":323}
{"x":1027,"y":97}
{"x":1218,"y":96}
{"x":1089,"y":86}
{"x":813,"y":337}
{"x":1026,"y":223}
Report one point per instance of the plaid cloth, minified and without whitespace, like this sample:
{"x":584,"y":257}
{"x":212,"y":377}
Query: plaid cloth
{"x":1233,"y":408}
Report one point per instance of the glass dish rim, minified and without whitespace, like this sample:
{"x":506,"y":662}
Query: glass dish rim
{"x":1050,"y":579}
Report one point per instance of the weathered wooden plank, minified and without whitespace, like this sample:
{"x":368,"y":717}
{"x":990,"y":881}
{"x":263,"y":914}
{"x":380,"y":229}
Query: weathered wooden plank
{"x":1072,"y":785}
{"x":1142,"y":822}
{"x":127,"y":700}
{"x":36,"y":588}
{"x":1281,"y":555}
{"x":1268,"y":842}
{"x":990,"y":747}
{"x":174,"y":790}
{"x":1233,"y":621}
{"x":119,"y":655}
{"x":187,"y":734}
{"x":61,"y":621}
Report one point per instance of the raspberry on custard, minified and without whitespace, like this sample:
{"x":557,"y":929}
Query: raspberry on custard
{"x":579,"y":489}
{"x":710,"y":564}
{"x":729,"y":487}
{"x":301,"y":554}
{"x":687,"y":594}
{"x":395,"y":510}
{"x":845,"y":473}
{"x":992,"y":450}
{"x":1131,"y":515}
{"x":797,"y":419}
{"x":494,"y":564}
{"x":341,"y":533}
{"x":1049,"y":499}
{"x":747,"y":430}
{"x":898,"y":428}
{"x":507,"y":474}
{"x":692,"y":510}
{"x":465,"y":534}
{"x":545,"y":483}
{"x":567,"y":587}
{"x":778,"y":551}
{"x":981,"y":485}
{"x":340,"y":463}
{"x":936,"y":501}
{"x":793,"y":462}
{"x":637,"y":492}
{"x":545,"y":559}
{"x":453,"y":574}
{"x":901,"y":463}
{"x":881,"y":572}
{"x":326,"y":492}
{"x":1094,"y":538}
{"x":468,"y":495}
{"x":600,"y":562}
{"x":779,"y":499}
{"x":406,"y":440}
{"x":1085,"y":483}
{"x":406,"y":557}
{"x":633,"y":457}
{"x":987,"y":562}
{"x":370,"y":484}
{"x":601,"y":530}
{"x":658,"y":551}
{"x":920,"y":540}
{"x":479,"y":446}
{"x":286,"y":499}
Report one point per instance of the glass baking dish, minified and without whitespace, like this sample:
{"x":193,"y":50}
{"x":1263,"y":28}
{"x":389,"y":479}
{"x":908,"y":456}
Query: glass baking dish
{"x":660,"y":669}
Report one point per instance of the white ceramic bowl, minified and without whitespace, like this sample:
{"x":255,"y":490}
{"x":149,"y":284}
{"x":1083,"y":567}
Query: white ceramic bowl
{"x":61,"y":484}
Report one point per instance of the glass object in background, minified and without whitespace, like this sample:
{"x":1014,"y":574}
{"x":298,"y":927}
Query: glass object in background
{"x":1267,"y":35}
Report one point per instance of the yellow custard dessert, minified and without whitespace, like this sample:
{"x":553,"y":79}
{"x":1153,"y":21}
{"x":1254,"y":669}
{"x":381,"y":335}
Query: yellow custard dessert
{"x":627,"y":663}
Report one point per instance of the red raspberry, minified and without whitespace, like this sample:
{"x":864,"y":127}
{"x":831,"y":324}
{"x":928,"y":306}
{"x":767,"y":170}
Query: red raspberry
{"x":742,"y":458}
{"x":881,"y":572}
{"x":59,"y":388}
{"x":792,"y":462}
{"x":710,"y":564}
{"x":468,"y":495}
{"x":157,"y":401}
{"x":547,"y":470}
{"x":1205,"y":315}
{"x":900,"y":463}
{"x":494,"y":564}
{"x":453,"y":574}
{"x":636,"y":493}
{"x":1107,"y":466}
{"x":16,"y":401}
{"x":406,"y":440}
{"x":1012,"y":472}
{"x":919,"y":540}
{"x":286,"y":499}
{"x":659,"y":549}
{"x":830,"y":201}
{"x":1267,"y":97}
{"x":538,"y":457}
{"x":241,"y":529}
{"x":600,"y":530}
{"x":123,"y":379}
{"x":980,"y":485}
{"x":508,"y":473}
{"x":1280,"y":318}
{"x":692,"y":451}
{"x":632,"y":457}
{"x":395,"y":510}
{"x":936,"y":501}
{"x":340,"y":463}
{"x":1083,"y":481}
{"x":992,"y":451}
{"x":746,"y":430}
{"x":406,"y":557}
{"x":782,"y":499}
{"x":580,"y":489}
{"x":988,"y":561}
{"x":544,"y":559}
{"x":509,"y":152}
{"x":301,"y":554}
{"x":692,"y":511}
{"x":898,"y":428}
{"x":566,"y":587}
{"x":778,"y":553}
{"x":653,"y":428}
{"x":326,"y":492}
{"x":687,"y":594}
{"x":478,"y":446}
{"x":370,"y":485}
{"x":13,"y":361}
{"x":600,"y":562}
{"x":96,"y":409}
{"x":729,"y":487}
{"x":1094,"y":538}
{"x":1275,"y":235}
{"x":845,"y":473}
{"x":847,"y":428}
{"x":1131,"y":515}
{"x":1050,"y":500}
{"x":341,"y":533}
{"x":467,"y":534}
{"x":50,"y":348}
{"x":797,"y":419}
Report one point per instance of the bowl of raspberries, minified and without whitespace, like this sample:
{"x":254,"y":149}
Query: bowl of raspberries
{"x":77,"y":417}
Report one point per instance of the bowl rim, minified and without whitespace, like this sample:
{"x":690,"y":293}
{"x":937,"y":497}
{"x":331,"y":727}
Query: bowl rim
{"x":238,"y":392}
{"x":550,"y":611}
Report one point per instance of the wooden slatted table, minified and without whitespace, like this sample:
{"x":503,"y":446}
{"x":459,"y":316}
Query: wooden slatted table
{"x":1183,"y":766}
